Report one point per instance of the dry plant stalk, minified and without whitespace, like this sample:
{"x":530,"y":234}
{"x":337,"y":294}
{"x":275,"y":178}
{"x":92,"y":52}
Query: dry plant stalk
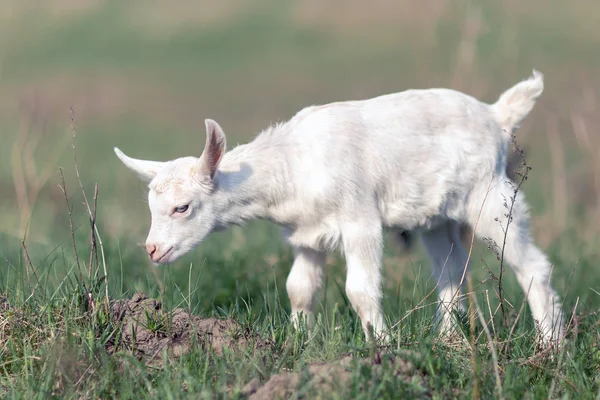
{"x":94,"y":234}
{"x":522,"y":174}
{"x":476,"y":394}
{"x":491,"y":344}
{"x":63,"y":187}
{"x":28,"y":265}
{"x":562,"y":353}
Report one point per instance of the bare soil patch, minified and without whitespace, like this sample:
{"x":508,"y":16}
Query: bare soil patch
{"x":327,"y":377}
{"x":148,"y":329}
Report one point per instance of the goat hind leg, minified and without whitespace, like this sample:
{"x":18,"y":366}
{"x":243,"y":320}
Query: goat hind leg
{"x":527,"y":261}
{"x":449,"y":263}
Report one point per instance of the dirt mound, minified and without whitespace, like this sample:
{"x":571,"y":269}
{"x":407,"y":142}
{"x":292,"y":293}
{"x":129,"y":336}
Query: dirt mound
{"x":147,"y":329}
{"x":329,"y":377}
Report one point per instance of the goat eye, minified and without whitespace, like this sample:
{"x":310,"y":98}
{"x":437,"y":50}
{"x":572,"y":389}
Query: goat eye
{"x":181,"y":209}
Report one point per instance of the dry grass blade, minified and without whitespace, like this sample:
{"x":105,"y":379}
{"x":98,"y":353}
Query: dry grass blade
{"x":492,"y":347}
{"x":29,"y":264}
{"x":63,"y":187}
{"x":86,"y":203}
{"x":562,"y":354}
{"x":94,"y":234}
{"x":432,"y":291}
{"x":93,"y":252}
{"x":487,"y":297}
{"x":514,"y":325}
{"x":472,"y":338}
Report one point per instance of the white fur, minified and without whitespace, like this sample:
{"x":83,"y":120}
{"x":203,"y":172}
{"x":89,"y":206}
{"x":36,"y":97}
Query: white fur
{"x":336,"y":175}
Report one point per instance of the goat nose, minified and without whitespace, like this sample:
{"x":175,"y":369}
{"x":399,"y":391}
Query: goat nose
{"x":151,"y":249}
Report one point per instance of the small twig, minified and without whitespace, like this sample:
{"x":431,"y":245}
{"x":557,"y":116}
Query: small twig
{"x":509,"y":218}
{"x":73,"y":145}
{"x":95,"y":235}
{"x":64,"y":190}
{"x":104,"y":267}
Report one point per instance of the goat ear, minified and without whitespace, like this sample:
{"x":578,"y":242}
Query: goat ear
{"x":214,"y":149}
{"x":146,"y":170}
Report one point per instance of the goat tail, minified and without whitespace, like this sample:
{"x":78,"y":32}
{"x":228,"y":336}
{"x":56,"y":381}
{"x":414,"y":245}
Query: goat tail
{"x":515,"y":103}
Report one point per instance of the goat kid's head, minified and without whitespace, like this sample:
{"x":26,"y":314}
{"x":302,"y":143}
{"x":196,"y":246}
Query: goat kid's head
{"x":182,"y":199}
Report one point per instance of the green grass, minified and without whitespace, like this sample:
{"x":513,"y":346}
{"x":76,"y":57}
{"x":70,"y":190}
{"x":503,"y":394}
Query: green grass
{"x":148,"y":93}
{"x":53,"y":343}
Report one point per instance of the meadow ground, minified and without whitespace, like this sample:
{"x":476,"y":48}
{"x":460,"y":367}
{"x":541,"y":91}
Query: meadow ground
{"x":83,"y":320}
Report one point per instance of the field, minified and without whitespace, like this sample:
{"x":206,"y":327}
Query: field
{"x":87,"y":315}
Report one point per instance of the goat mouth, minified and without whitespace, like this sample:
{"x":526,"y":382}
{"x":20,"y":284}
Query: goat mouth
{"x":165,"y":255}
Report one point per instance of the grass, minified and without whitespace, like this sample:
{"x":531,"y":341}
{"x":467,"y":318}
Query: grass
{"x":59,"y":336}
{"x":147,"y":90}
{"x":54,"y":334}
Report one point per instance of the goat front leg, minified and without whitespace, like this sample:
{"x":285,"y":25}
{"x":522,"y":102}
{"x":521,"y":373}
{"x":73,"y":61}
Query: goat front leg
{"x":303,"y":282}
{"x":363,"y":247}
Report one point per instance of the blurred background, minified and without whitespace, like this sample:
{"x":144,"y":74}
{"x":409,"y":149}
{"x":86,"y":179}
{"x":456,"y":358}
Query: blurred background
{"x":143,"y":76}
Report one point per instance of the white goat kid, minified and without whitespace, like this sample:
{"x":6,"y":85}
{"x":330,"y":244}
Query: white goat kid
{"x":337,"y":174}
